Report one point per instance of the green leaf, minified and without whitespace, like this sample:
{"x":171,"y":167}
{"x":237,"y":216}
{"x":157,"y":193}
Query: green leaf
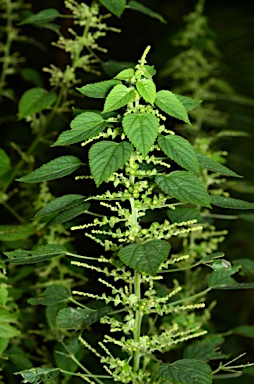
{"x":188,"y":102}
{"x":125,"y":74}
{"x":229,"y":202}
{"x":7,"y":317}
{"x":212,"y":165}
{"x":145,"y":257}
{"x":186,"y":371}
{"x":247,"y":266}
{"x":18,"y":357}
{"x":69,"y":214}
{"x":184,"y":186}
{"x":5,"y":163}
{"x":180,"y":150}
{"x":60,"y":204}
{"x":149,"y":71}
{"x":98,"y":90}
{"x":146,"y":88}
{"x":43,"y":17}
{"x":221,"y":279}
{"x":245,"y":330}
{"x":54,"y":169}
{"x":4,"y":342}
{"x":35,"y":100}
{"x":180,"y":215}
{"x":39,"y":375}
{"x":41,"y":253}
{"x":147,"y":11}
{"x":52,"y":295}
{"x":79,"y":318}
{"x":7,"y":331}
{"x":106,"y":157}
{"x":16,"y":232}
{"x":209,"y":258}
{"x":170,"y":104}
{"x":84,"y":126}
{"x":118,"y":97}
{"x":206,"y":349}
{"x":115,"y":7}
{"x":141,"y":130}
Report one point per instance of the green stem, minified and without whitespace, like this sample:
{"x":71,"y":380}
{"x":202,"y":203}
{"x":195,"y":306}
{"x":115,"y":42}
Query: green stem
{"x":14,"y":213}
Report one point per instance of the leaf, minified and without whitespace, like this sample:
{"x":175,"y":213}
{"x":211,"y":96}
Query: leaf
{"x":184,"y":186}
{"x":84,"y":126}
{"x":244,"y":330}
{"x":5,"y":163}
{"x":180,"y":215}
{"x":7,"y":331}
{"x":247,"y":266}
{"x":141,"y":130}
{"x":147,"y":11}
{"x":170,"y":104}
{"x":186,"y":371}
{"x":39,"y":375}
{"x":18,"y":357}
{"x":118,"y":97}
{"x":206,"y":349}
{"x":41,"y":253}
{"x":79,"y":318}
{"x":7,"y":317}
{"x":229,"y":202}
{"x":221,"y":279}
{"x":146,"y":88}
{"x":209,"y":258}
{"x":180,"y":150}
{"x":188,"y":102}
{"x":145,"y":257}
{"x":59,"y":204}
{"x":212,"y":165}
{"x":43,"y":17}
{"x":35,"y":100}
{"x":52,"y":295}
{"x":16,"y":232}
{"x":54,"y":169}
{"x":125,"y":74}
{"x":115,"y":7}
{"x":69,"y":214}
{"x":4,"y":342}
{"x":106,"y":157}
{"x":98,"y":90}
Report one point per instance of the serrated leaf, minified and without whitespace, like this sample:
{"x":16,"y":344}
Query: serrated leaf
{"x":8,"y":331}
{"x":39,"y":375}
{"x":244,"y":330}
{"x":184,"y":186}
{"x":145,"y":10}
{"x":79,"y":318}
{"x":5,"y":163}
{"x":35,"y":100}
{"x":98,"y":90}
{"x":4,"y":341}
{"x":84,"y":126}
{"x":188,"y":102}
{"x":52,"y":295}
{"x":59,"y":204}
{"x":107,"y":157}
{"x":212,"y":165}
{"x":43,"y":17}
{"x":186,"y":371}
{"x":54,"y":169}
{"x":7,"y":317}
{"x":41,"y":253}
{"x":141,"y":130}
{"x":230,"y":202}
{"x":170,"y":104}
{"x":115,"y":7}
{"x":146,"y":88}
{"x":180,"y":150}
{"x":180,"y":215}
{"x":16,"y":232}
{"x":125,"y":74}
{"x":145,"y":257}
{"x":69,"y":214}
{"x":222,"y":277}
{"x":118,"y":97}
{"x":149,"y":71}
{"x":206,"y":349}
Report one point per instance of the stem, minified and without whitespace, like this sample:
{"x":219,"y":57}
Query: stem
{"x":7,"y":48}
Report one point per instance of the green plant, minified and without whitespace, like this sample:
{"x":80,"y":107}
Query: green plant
{"x":135,"y":152}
